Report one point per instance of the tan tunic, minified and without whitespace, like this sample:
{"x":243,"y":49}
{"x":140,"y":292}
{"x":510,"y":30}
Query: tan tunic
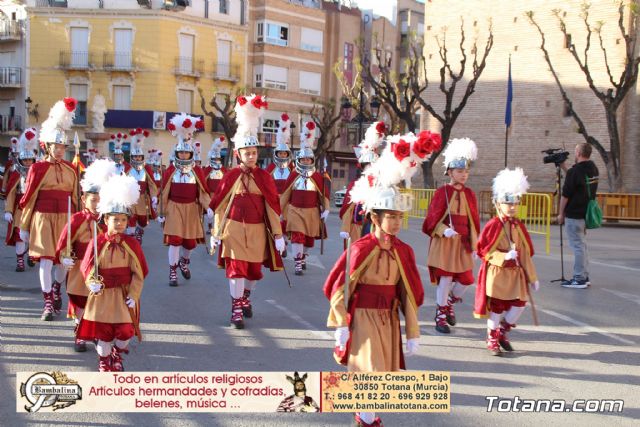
{"x":303,"y":220}
{"x":509,"y":282}
{"x":242,"y":241}
{"x":354,"y":230}
{"x":141,"y":208}
{"x":184,"y":219}
{"x":109,"y":307}
{"x":449,"y":253}
{"x":45,"y":228}
{"x":375,"y":333}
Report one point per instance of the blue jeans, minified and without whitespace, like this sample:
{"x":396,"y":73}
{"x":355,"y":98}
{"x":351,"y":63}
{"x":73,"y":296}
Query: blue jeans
{"x":576,"y":232}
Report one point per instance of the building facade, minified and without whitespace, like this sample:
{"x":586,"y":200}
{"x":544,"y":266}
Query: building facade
{"x":146,"y":59}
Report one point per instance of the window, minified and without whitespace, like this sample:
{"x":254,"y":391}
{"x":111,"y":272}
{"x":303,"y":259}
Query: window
{"x":79,"y":92}
{"x":347,"y":67}
{"x":275,"y":33}
{"x":269,"y":76}
{"x":80,"y":47}
{"x":311,"y":40}
{"x":224,"y":7}
{"x":122,"y":41}
{"x":270,"y":125}
{"x":310,"y":82}
{"x":121,"y":97}
{"x":185,"y":101}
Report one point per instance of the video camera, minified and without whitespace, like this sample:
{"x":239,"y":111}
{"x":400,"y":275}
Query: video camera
{"x":555,"y":155}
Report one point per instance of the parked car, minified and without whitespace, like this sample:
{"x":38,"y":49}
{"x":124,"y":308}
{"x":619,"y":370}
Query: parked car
{"x":338,"y":197}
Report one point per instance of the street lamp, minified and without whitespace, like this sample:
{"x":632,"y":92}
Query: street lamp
{"x":345,"y":108}
{"x":374,"y":104}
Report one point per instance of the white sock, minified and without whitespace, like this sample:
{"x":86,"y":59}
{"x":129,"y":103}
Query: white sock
{"x":458,"y":289}
{"x":494,"y":320}
{"x":131,"y":231}
{"x":297,"y":249}
{"x":20,"y":248}
{"x":442,"y":291}
{"x":513,"y":315}
{"x":186,"y":253}
{"x":174,"y":254}
{"x":59,"y":273}
{"x":236,"y":288}
{"x":103,"y":348}
{"x":368,"y":417}
{"x":79,"y":313}
{"x":251,"y":284}
{"x":122,"y":344}
{"x":45,"y":274}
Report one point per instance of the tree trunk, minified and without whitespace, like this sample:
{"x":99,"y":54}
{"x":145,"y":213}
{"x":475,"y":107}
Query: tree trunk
{"x":614,"y":171}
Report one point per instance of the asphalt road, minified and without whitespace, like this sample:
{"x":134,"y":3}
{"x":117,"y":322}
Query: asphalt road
{"x":586,"y":346}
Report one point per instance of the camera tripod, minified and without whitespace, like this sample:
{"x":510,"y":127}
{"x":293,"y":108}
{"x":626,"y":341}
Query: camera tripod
{"x":559,"y":192}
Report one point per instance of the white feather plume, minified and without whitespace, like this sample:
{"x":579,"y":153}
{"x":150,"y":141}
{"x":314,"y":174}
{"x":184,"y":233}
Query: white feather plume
{"x":97,"y":173}
{"x":119,"y":190}
{"x":510,"y":181}
{"x":26,"y":144}
{"x":248,"y":118}
{"x":186,"y":132}
{"x":308,"y":134}
{"x":216,"y":148}
{"x":460,"y":148}
{"x":283,"y":136}
{"x":60,"y":119}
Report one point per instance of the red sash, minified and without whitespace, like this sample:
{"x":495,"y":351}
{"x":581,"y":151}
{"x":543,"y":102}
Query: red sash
{"x":52,"y":201}
{"x":247,"y":208}
{"x":304,"y":199}
{"x":181,"y":192}
{"x":143,"y":186}
{"x":281,"y":185}
{"x":115,"y":277}
{"x":375,"y":296}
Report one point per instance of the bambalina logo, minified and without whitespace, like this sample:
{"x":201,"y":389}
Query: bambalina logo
{"x":55,"y":389}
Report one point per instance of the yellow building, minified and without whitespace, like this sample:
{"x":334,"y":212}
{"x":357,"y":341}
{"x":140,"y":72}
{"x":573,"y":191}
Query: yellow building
{"x":147,"y":63}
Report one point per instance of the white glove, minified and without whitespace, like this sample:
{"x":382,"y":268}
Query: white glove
{"x":344,"y":235}
{"x":154,"y":202}
{"x":535,"y":285}
{"x":449,"y":232}
{"x":474,"y":255}
{"x":209,"y":213}
{"x":281,"y":246}
{"x":68,"y":263}
{"x":161,"y":219}
{"x":324,"y":214}
{"x":8,"y":217}
{"x":130,"y":302}
{"x":412,"y":346}
{"x":95,"y":287}
{"x":512,"y":254}
{"x":342,"y":336}
{"x":24,"y":235}
{"x":215,"y":242}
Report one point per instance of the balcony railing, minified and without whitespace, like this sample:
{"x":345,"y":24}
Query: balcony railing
{"x":223,"y":71}
{"x":118,"y":61}
{"x":10,"y":77}
{"x":76,"y":60}
{"x":10,"y":123}
{"x":10,"y":30}
{"x":51,"y":3}
{"x":188,"y":66}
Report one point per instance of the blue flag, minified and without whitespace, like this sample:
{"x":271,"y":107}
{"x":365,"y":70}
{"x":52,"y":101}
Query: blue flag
{"x":507,"y":114}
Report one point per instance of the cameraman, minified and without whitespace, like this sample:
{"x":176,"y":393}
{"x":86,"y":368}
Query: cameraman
{"x":573,"y":209}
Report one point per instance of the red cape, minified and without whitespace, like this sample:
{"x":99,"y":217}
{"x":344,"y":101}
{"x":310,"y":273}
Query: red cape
{"x":197,"y":170}
{"x":212,"y":184}
{"x":347,"y":200}
{"x":489,"y":236}
{"x":317,"y":178}
{"x":13,"y":180}
{"x":36,"y":173}
{"x":77,"y":219}
{"x":128,"y":241}
{"x":438,"y":208}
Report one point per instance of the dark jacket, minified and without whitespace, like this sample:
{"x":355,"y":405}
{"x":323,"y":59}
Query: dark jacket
{"x":575,"y":188}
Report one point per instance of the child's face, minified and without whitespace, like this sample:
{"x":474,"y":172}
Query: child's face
{"x":306,"y":161}
{"x":90,"y":202}
{"x":389,"y":221}
{"x":282,"y":154}
{"x":26,"y":162}
{"x":183,"y":155}
{"x":137,"y":158}
{"x":459,"y":176}
{"x":57,"y":151}
{"x":248,"y":156}
{"x":508,"y":209}
{"x":116,"y":223}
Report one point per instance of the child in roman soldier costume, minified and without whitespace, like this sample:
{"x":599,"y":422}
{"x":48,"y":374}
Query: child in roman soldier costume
{"x":50,"y":185}
{"x":16,"y":175}
{"x":214,"y":171}
{"x":376,"y":278}
{"x":367,"y":153}
{"x":507,"y":269}
{"x":282,"y":166}
{"x":122,"y":166}
{"x":145,"y":209}
{"x":247,"y":214}
{"x":155,"y":161}
{"x":114,"y":269}
{"x":184,"y":197}
{"x":76,"y":235}
{"x":453,"y":224}
{"x":305,"y":201}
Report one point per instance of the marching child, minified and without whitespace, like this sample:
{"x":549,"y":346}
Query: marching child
{"x":145,"y":208}
{"x":453,"y":223}
{"x":507,"y":269}
{"x":114,"y":269}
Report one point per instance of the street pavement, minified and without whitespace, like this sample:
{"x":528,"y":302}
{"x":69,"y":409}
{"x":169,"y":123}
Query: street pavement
{"x":586,"y":346}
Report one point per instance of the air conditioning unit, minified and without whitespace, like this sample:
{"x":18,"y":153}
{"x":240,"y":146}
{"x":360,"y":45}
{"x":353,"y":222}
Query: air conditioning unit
{"x":145,"y":3}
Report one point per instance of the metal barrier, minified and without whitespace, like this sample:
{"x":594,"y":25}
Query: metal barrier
{"x":535,"y":211}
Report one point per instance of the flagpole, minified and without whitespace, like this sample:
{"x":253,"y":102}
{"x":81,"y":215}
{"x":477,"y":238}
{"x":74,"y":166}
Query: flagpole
{"x":507,"y":115}
{"x":506,"y":144}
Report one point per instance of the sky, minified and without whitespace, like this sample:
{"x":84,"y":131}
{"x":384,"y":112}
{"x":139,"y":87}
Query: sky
{"x":384,"y":8}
